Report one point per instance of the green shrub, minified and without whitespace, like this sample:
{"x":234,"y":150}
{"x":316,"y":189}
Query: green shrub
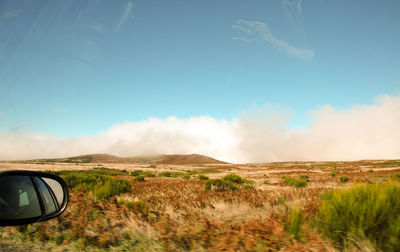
{"x":140,"y":178}
{"x":295,"y":182}
{"x":142,"y":173}
{"x":177,"y":174}
{"x":266,"y":182}
{"x":95,"y":171}
{"x":229,"y":182}
{"x":165,"y":174}
{"x":370,"y":171}
{"x":102,"y":187}
{"x":219,"y":185}
{"x":334,"y":173}
{"x":111,"y":188}
{"x":344,"y":179}
{"x":365,"y":211}
{"x":233,"y":178}
{"x":186,"y":176}
{"x":304,"y":177}
{"x":300,"y":183}
{"x":136,"y":173}
{"x":397,"y":175}
{"x":236,"y":179}
{"x":248,"y":187}
{"x":149,"y":174}
{"x":294,"y":222}
{"x":203,"y":177}
{"x":170,"y":174}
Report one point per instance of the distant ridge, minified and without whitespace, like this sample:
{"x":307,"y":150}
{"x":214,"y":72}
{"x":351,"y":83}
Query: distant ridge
{"x":156,"y":159}
{"x":187,"y":159}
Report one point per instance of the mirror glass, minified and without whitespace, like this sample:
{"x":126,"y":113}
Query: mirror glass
{"x":18,"y":198}
{"x":49,"y":199}
{"x":56,"y":188}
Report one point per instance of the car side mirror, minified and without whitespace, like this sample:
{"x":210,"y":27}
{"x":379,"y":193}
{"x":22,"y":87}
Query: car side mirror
{"x":31,"y":196}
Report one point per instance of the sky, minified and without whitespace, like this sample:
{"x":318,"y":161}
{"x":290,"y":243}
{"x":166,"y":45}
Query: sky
{"x":243,"y":81}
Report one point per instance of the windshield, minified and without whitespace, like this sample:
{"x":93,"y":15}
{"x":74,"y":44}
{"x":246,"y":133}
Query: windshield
{"x":204,"y":125}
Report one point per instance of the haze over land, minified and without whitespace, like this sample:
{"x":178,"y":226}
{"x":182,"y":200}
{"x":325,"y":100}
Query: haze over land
{"x":353,"y":133}
{"x":110,"y":159}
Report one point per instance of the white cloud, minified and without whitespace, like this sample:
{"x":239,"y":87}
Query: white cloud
{"x":358,"y":132}
{"x":248,"y":31}
{"x":257,"y":30}
{"x":124,"y":17}
{"x":242,"y":39}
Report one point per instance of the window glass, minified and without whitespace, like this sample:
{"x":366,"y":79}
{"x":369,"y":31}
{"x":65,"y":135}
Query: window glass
{"x":18,"y":198}
{"x":23,"y":199}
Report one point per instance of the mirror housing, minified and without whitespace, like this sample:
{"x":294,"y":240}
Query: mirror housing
{"x":31,"y":196}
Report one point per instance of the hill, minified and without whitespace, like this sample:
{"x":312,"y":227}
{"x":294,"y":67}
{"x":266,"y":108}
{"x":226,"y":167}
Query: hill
{"x":187,"y":159}
{"x":156,"y":159}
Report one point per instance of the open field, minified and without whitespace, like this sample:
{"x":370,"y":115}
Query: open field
{"x":268,"y":207}
{"x":319,"y":172}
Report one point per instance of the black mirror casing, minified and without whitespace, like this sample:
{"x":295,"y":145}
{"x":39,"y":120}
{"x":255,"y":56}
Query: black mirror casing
{"x":44,"y":196}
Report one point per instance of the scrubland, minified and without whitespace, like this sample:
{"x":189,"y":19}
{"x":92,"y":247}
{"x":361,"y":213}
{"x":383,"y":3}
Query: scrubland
{"x":289,"y":206}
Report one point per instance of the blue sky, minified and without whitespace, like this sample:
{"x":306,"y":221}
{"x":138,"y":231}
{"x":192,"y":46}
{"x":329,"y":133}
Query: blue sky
{"x":76,"y":68}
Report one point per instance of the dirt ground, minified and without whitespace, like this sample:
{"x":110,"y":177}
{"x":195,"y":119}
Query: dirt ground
{"x":319,"y":172}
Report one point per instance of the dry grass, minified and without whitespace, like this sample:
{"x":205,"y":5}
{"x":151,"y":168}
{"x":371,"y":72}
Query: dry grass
{"x":175,"y":214}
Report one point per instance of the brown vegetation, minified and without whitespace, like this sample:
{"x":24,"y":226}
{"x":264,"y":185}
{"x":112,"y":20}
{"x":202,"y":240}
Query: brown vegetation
{"x":177,"y":214}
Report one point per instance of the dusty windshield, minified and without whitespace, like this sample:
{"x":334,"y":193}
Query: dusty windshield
{"x":173,"y":94}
